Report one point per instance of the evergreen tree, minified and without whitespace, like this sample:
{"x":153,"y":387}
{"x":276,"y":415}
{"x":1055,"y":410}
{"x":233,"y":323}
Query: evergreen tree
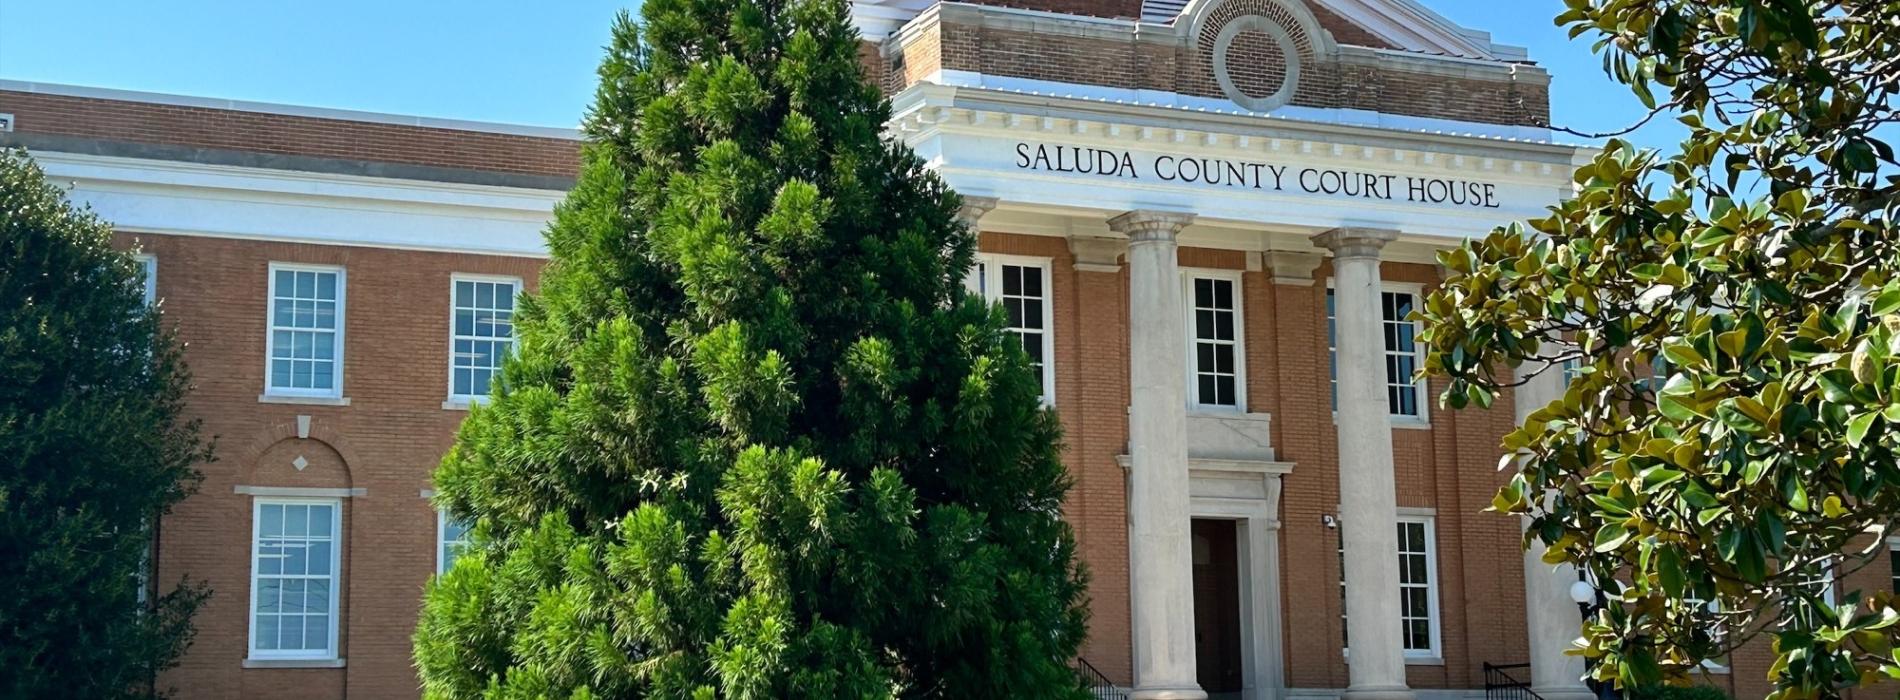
{"x":756,"y":440}
{"x":93,"y":448}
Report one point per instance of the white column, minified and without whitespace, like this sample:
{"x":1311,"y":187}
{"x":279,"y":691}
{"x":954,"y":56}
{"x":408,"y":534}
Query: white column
{"x":1367,"y":489}
{"x":1551,"y":616}
{"x":1161,"y":566}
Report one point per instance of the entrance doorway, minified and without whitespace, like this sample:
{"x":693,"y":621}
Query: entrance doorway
{"x":1217,"y":609}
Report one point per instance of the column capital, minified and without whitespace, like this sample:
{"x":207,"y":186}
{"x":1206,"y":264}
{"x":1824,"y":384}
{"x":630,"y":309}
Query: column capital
{"x":973,"y":208}
{"x":1144,"y":225}
{"x":1355,"y":242}
{"x":1097,"y":254}
{"x":1291,"y":267}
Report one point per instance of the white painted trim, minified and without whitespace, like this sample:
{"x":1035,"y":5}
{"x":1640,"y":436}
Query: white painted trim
{"x":1258,"y":541}
{"x":442,"y":543}
{"x":295,"y":663}
{"x":222,"y":201}
{"x":156,"y":98}
{"x":463,"y":401}
{"x":1188,"y":275}
{"x":1436,"y":656}
{"x":298,"y":491}
{"x":993,"y":294}
{"x":335,"y":392}
{"x":1422,"y":421}
{"x":303,"y":400}
{"x":148,"y":264}
{"x":337,"y":542}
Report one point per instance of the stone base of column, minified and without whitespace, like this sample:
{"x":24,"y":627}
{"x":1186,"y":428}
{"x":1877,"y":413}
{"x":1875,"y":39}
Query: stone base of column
{"x":1565,"y":692}
{"x":1389,"y":692}
{"x":1187,"y":692}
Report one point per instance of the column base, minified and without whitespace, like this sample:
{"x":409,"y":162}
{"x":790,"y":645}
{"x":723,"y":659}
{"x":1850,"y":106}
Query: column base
{"x":1176,"y":692}
{"x":1565,"y":692}
{"x":1383,"y":692}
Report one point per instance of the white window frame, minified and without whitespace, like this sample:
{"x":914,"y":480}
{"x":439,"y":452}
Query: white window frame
{"x":442,"y":542}
{"x":1420,"y":657}
{"x":1434,"y":616}
{"x":1420,"y":386}
{"x":336,"y":581}
{"x":270,"y":328}
{"x":464,"y":400}
{"x":149,"y":263}
{"x":1893,"y":558}
{"x":992,"y":294}
{"x":1234,"y":277}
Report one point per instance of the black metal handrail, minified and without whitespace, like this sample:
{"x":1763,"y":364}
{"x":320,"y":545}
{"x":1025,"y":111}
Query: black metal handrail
{"x":1499,"y":684}
{"x":1098,"y":684}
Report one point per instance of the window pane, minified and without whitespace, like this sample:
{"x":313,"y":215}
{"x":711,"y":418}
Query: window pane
{"x":319,"y":558}
{"x":291,"y":629}
{"x":316,"y":632}
{"x":266,"y":632}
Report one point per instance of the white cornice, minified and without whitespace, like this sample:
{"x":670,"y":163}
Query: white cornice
{"x":1414,"y":27}
{"x":195,"y":199}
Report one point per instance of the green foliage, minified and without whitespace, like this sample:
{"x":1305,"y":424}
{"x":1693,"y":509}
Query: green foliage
{"x":1674,"y":692}
{"x":756,"y":441}
{"x":93,"y":449}
{"x":1759,"y":268}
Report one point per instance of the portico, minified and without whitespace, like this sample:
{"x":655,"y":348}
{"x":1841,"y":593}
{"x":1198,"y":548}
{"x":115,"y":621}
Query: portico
{"x":1243,"y":261}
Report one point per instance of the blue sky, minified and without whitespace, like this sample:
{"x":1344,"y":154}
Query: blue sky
{"x":526,"y":63}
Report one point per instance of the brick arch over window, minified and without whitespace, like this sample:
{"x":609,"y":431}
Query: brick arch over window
{"x":269,"y":458}
{"x":1259,"y":53}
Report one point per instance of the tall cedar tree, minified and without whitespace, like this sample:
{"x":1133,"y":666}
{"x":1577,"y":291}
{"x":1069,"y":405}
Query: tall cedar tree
{"x":1728,"y":449}
{"x":756,"y":441}
{"x":93,"y":448}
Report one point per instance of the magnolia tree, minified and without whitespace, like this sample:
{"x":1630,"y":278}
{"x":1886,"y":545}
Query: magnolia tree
{"x":1728,"y":316}
{"x":757,"y":440}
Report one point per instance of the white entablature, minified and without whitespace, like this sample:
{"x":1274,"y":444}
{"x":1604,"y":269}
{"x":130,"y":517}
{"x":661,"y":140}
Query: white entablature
{"x":1240,"y":172}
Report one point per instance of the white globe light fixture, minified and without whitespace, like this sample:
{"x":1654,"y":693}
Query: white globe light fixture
{"x":1583,"y":593}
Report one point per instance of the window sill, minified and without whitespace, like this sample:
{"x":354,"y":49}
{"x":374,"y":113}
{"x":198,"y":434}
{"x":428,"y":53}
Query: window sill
{"x":304,"y":400}
{"x":293,"y":663}
{"x":1410,"y":660}
{"x":457,"y":404}
{"x":1397,"y":422}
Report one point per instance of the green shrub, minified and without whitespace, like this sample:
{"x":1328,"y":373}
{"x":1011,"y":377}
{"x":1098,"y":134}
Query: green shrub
{"x":1669,"y":692}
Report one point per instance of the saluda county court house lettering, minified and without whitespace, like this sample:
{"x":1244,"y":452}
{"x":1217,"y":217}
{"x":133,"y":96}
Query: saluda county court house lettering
{"x":1259,"y":176}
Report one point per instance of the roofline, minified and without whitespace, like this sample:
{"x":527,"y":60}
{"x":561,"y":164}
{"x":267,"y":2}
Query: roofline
{"x":546,"y":132}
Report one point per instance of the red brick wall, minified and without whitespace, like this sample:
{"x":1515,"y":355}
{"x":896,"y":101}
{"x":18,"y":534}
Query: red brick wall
{"x":386,"y":441}
{"x":259,"y":132}
{"x":1131,"y":64}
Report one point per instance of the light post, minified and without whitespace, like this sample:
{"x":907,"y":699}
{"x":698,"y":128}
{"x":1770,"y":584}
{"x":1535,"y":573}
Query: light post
{"x":1588,"y":599}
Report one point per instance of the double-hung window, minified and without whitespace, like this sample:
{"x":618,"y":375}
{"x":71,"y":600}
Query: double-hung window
{"x":305,"y":344}
{"x":1893,"y":564}
{"x":482,"y":332}
{"x":294,"y":578}
{"x":1402,"y":353}
{"x":1217,"y":379}
{"x":148,"y":276}
{"x":451,"y":539}
{"x":1021,"y":286}
{"x":1418,"y":588}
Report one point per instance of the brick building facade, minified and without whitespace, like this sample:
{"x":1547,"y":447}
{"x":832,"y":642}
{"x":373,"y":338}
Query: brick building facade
{"x":1202,"y":199}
